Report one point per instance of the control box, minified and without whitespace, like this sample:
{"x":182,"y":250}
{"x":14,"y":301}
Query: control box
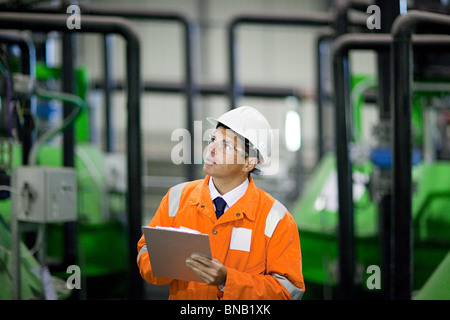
{"x":44,"y":194}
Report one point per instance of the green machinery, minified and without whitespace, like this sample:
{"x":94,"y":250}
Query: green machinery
{"x":317,"y":221}
{"x":316,"y":214}
{"x":101,"y":228}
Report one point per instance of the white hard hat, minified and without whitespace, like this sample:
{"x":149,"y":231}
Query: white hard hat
{"x":252,"y":125}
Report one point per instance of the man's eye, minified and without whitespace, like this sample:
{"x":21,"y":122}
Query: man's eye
{"x":228,"y":147}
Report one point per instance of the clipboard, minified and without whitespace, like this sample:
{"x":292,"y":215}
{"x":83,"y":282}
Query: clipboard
{"x":169,"y":248}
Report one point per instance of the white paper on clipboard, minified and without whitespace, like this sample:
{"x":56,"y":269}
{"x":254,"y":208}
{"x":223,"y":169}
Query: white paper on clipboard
{"x":168,"y":250}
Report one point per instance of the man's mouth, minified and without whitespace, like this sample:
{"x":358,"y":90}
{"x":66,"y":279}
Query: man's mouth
{"x":209,"y":160}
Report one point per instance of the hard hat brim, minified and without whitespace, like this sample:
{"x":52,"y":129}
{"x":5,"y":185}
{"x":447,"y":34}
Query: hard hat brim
{"x":213,"y":121}
{"x":244,"y":122}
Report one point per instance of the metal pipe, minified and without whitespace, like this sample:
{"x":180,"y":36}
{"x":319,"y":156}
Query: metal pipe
{"x":190,"y":90}
{"x":68,"y":86}
{"x":108,"y":56}
{"x":205,"y":89}
{"x":343,"y":125}
{"x":401,"y":101}
{"x":341,"y":16}
{"x":105,"y":25}
{"x":307,"y":19}
{"x":340,"y":48}
{"x":189,"y":86}
{"x":391,"y":10}
{"x":326,"y":35}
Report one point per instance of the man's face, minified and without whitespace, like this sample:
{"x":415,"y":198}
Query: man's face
{"x":225,"y":155}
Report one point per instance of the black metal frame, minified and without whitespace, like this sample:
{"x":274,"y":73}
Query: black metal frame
{"x":321,"y":95}
{"x":340,"y":48}
{"x":401,"y":99}
{"x":188,"y":86}
{"x":400,"y":109}
{"x":343,"y":126}
{"x":338,"y":19}
{"x":310,"y":19}
{"x":104,"y":25}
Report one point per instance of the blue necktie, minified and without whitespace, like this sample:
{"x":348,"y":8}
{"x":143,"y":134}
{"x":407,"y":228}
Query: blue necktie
{"x":220,"y":206}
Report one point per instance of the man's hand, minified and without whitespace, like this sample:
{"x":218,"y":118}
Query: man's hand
{"x":211,"y":271}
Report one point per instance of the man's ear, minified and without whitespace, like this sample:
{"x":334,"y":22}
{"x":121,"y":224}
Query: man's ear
{"x":250,"y":164}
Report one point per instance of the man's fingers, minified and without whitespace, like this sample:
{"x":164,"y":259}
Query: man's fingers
{"x":209,"y":270}
{"x":201,"y":258}
{"x":200,"y":270}
{"x":204,"y":264}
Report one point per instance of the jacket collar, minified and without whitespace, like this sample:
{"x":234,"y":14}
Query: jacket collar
{"x":247,"y":204}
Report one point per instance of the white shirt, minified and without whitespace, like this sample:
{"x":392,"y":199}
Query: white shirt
{"x":231,"y":197}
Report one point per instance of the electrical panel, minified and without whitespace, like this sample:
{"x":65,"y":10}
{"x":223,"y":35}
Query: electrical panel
{"x":44,"y":194}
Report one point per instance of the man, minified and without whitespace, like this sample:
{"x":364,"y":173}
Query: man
{"x":254,"y":240}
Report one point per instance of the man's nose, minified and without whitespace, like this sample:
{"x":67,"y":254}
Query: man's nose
{"x":212,"y":148}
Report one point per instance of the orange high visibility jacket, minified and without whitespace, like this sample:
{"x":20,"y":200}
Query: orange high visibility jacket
{"x":264,"y":264}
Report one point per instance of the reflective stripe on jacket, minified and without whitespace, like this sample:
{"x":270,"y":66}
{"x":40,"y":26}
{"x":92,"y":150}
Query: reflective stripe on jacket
{"x":256,"y":239}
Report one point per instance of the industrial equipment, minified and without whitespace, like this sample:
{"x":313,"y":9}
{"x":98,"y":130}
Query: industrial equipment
{"x":44,"y":194}
{"x":65,"y":201}
{"x":347,"y":224}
